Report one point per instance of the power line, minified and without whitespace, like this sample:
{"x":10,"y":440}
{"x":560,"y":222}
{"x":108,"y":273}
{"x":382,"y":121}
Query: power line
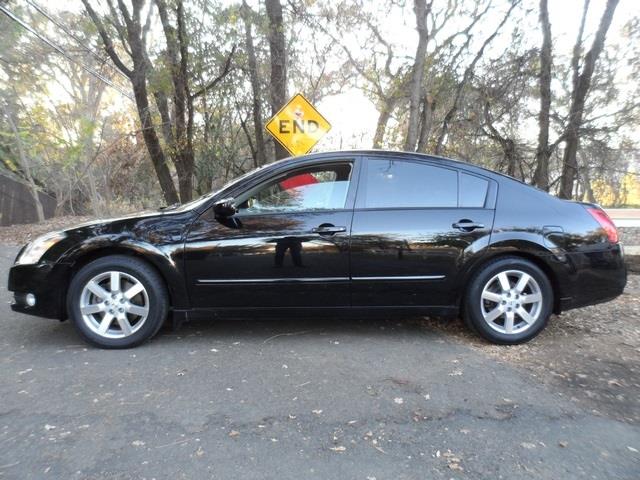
{"x":80,"y":42}
{"x":62,"y":52}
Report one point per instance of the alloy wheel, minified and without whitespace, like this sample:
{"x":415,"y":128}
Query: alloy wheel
{"x":114,"y":304}
{"x":511,"y":302}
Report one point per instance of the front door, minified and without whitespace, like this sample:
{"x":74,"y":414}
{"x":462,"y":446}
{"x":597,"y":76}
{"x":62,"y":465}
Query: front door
{"x":287,"y":246}
{"x":414,"y":225}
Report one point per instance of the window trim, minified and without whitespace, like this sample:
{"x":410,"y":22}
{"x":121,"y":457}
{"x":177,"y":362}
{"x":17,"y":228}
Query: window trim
{"x":355,"y":163}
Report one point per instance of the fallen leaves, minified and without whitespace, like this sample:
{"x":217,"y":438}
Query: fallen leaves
{"x":453,"y":460}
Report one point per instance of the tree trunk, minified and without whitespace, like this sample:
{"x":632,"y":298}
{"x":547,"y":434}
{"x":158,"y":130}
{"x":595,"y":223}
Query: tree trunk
{"x":260,"y":148}
{"x":135,"y":37}
{"x":388,"y":104}
{"x":177,"y":55}
{"x":578,"y":97}
{"x":26,"y":166}
{"x":152,"y":142}
{"x":421,"y":11}
{"x":543,"y":153}
{"x":510,"y":156}
{"x":428,"y":106}
{"x":278,"y":64}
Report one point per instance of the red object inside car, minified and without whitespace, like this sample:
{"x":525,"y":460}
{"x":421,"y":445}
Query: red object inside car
{"x":298,"y":181}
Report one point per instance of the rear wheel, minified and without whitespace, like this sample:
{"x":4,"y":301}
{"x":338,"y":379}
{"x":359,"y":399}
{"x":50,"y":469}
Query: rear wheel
{"x":117,"y":302}
{"x":509,"y":301}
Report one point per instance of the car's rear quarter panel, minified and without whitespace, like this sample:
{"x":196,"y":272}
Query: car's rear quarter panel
{"x":564,"y":239}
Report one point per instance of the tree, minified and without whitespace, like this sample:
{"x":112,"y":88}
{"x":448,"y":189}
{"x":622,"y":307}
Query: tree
{"x":421,"y":10}
{"x":581,"y":86}
{"x":25,"y":163}
{"x":468,"y":73}
{"x":260,"y":156}
{"x":134,"y":36}
{"x":543,"y":152}
{"x":177,"y":126}
{"x":277,"y":48}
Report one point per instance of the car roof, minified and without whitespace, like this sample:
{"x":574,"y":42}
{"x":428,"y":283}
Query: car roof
{"x":444,"y":161}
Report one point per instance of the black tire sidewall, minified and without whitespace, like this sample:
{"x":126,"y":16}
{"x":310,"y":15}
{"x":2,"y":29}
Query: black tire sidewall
{"x":472,"y":311}
{"x":153,"y":283}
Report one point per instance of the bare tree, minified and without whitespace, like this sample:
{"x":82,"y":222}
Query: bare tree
{"x":421,"y":10}
{"x":543,"y":152}
{"x":25,"y":163}
{"x":581,"y":86}
{"x":468,"y":73}
{"x":260,"y":157}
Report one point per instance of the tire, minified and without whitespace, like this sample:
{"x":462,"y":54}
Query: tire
{"x":123,"y":317}
{"x":508,"y":316}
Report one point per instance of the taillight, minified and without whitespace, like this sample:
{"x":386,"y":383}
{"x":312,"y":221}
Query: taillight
{"x":605,"y":222}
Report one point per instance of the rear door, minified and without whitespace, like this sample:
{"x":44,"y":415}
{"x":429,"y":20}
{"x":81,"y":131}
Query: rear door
{"x":414,"y":224}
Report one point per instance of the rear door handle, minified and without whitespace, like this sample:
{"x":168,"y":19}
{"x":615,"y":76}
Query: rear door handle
{"x":328,"y":230}
{"x":467,"y":225}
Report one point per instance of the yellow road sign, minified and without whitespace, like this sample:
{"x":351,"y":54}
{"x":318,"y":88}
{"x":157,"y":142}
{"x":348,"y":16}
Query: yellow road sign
{"x":298,"y":126}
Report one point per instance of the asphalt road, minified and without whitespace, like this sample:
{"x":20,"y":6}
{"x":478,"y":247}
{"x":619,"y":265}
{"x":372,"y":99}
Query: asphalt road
{"x":297,"y":398}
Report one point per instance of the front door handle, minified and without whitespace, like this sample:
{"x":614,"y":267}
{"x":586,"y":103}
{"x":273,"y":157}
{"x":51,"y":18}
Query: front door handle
{"x":326,"y":229}
{"x":467,"y":225}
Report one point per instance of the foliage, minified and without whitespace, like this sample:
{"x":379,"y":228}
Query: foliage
{"x":478,"y":93}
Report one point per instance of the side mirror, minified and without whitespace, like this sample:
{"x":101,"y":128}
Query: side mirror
{"x":224,"y":208}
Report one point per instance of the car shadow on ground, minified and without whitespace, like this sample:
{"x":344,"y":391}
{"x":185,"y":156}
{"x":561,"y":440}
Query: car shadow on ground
{"x":62,"y":334}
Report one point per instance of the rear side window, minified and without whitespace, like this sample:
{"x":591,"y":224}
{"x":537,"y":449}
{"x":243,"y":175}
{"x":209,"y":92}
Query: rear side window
{"x":473,"y":191}
{"x":398,"y":184}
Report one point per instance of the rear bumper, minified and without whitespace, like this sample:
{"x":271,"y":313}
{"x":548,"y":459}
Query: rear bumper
{"x":593,"y":277}
{"x":47,"y":282}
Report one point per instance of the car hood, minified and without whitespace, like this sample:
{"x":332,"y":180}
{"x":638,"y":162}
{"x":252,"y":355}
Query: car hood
{"x":144,"y":214}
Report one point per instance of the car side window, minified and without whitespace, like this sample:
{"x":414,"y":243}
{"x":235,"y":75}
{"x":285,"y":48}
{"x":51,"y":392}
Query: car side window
{"x":402,"y":184}
{"x":473,"y":191}
{"x":313,"y":188}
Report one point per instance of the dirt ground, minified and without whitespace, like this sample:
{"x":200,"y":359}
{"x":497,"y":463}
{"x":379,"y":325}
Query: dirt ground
{"x":21,"y":234}
{"x":592,"y":354}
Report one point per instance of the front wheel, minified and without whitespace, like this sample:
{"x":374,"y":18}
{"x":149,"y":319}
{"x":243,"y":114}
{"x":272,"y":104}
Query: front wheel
{"x":509,"y":301}
{"x":117,"y":302}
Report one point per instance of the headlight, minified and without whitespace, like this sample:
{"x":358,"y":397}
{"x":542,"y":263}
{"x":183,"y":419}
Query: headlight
{"x":34,"y":251}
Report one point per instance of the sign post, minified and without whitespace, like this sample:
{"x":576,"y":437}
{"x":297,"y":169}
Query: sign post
{"x":298,"y":126}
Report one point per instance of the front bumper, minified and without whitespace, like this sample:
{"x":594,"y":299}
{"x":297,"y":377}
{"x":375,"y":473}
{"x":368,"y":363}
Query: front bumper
{"x":48,"y":282}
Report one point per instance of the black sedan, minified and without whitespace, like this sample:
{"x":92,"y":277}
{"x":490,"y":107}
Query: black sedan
{"x":334,"y":233}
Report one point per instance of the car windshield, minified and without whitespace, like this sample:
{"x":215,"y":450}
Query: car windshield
{"x":201,"y":200}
